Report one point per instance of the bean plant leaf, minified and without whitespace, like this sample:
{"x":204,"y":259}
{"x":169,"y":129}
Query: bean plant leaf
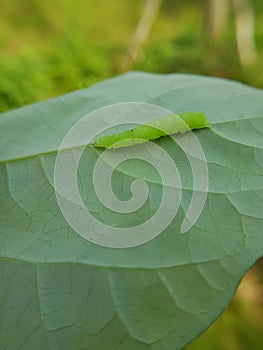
{"x":60,"y":291}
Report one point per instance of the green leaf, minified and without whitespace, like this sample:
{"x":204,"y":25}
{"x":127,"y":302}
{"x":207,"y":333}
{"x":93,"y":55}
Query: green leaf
{"x":59,"y":291}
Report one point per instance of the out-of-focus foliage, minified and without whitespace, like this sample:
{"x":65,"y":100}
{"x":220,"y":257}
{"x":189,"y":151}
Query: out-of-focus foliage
{"x":51,"y":47}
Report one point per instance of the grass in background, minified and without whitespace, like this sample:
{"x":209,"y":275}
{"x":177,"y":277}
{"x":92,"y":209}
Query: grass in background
{"x":51,"y":47}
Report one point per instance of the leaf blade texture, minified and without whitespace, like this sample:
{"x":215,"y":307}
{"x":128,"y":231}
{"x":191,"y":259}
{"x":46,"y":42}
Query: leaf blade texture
{"x":59,"y":291}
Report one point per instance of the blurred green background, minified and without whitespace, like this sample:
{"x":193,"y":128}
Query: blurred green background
{"x":51,"y":47}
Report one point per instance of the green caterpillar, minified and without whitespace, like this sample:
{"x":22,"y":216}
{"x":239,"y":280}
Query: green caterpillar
{"x":167,"y":125}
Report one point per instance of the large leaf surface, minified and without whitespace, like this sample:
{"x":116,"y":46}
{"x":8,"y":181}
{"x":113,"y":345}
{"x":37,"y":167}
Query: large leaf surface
{"x":59,"y":291}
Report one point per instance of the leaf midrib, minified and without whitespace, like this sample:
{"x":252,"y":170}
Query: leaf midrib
{"x":46,"y":153}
